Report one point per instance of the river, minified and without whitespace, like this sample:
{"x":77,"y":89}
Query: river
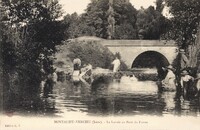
{"x":124,"y":97}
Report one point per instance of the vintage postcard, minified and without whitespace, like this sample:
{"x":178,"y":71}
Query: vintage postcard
{"x":100,"y":64}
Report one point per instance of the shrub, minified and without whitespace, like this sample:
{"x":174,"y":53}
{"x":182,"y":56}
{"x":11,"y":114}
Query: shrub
{"x":93,"y":53}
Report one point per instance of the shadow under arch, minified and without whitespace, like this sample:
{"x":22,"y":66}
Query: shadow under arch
{"x":150,"y":59}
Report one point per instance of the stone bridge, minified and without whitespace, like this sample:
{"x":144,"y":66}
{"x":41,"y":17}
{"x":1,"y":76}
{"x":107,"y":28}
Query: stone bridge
{"x":143,"y":53}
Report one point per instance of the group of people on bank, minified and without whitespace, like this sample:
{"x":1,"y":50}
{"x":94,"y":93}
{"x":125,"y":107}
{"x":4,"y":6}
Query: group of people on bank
{"x":180,"y":77}
{"x":80,"y":72}
{"x":183,"y":77}
{"x":85,"y":71}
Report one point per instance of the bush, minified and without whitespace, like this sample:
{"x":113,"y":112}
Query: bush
{"x":91,"y":52}
{"x":143,"y":76}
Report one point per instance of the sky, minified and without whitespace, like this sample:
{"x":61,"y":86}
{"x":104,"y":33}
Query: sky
{"x":71,"y":6}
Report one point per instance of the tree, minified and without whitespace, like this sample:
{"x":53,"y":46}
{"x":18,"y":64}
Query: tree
{"x":183,"y":29}
{"x":97,"y":14}
{"x":125,"y":31}
{"x":160,"y":5}
{"x":125,"y":17}
{"x":184,"y":26}
{"x":76,"y":26}
{"x":152,"y":22}
{"x":29,"y":28}
{"x":111,"y":20}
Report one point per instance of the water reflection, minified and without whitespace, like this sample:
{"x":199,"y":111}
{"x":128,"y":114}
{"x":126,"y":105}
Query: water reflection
{"x":107,"y":96}
{"x":125,"y":105}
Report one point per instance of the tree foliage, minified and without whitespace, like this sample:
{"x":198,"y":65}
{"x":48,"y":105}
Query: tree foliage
{"x":185,"y":20}
{"x":29,"y":28}
{"x":184,"y":26}
{"x":125,"y":31}
{"x":91,"y":52}
{"x":152,"y":22}
{"x":97,"y":14}
{"x":128,"y":22}
{"x":76,"y":26}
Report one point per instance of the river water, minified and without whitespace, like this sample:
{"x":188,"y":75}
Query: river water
{"x":105,"y":97}
{"x":125,"y":103}
{"x":108,"y":97}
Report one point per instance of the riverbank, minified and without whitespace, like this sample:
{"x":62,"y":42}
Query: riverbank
{"x":88,"y":50}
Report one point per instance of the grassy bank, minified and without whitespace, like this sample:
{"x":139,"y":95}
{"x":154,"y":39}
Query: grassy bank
{"x":88,"y":50}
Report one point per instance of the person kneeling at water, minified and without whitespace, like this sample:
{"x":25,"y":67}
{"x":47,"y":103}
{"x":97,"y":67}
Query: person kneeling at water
{"x":86,"y":71}
{"x":186,"y":81}
{"x":169,"y":80}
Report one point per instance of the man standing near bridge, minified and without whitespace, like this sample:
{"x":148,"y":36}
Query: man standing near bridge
{"x":183,"y":64}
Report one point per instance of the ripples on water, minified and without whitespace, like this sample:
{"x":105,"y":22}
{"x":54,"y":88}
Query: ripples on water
{"x":109,"y":97}
{"x":115,"y":97}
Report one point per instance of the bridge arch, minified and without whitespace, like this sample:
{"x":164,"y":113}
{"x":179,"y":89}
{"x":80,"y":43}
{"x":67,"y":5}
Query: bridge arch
{"x":131,"y":49}
{"x":150,"y":59}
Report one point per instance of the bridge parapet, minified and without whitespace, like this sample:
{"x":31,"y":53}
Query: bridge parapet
{"x":142,"y":43}
{"x":131,"y":49}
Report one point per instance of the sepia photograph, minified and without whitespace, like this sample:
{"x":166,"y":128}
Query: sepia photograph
{"x":100,"y":64}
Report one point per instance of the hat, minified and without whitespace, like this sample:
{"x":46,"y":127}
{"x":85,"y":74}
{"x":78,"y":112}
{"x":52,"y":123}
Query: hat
{"x":181,"y":51}
{"x":184,"y":72}
{"x":170,"y":67}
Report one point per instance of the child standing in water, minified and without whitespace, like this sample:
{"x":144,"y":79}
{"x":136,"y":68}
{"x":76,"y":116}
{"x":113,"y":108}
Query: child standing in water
{"x":77,"y":68}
